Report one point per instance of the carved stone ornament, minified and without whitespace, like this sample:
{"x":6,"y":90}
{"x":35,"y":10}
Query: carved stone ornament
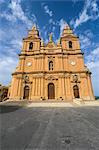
{"x":73,"y":63}
{"x":26,"y":79}
{"x":75,"y":78}
{"x":51,"y":78}
{"x":29,"y":64}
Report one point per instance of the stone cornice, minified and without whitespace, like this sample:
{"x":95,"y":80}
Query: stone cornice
{"x":73,"y":37}
{"x":28,"y":39}
{"x":50,"y":72}
{"x":57,"y":53}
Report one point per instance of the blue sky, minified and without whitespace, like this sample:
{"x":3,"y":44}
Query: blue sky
{"x":18,"y":16}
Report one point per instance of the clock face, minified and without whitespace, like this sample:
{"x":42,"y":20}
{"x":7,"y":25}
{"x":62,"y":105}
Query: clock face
{"x":73,"y":63}
{"x":29,"y":64}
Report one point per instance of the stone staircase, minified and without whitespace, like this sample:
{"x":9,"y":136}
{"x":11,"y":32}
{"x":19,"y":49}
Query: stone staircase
{"x":50,"y":103}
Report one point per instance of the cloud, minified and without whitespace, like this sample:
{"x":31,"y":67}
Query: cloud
{"x":16,"y":43}
{"x":62,"y":24}
{"x":89,"y":12}
{"x":47,"y":10}
{"x":93,"y":58}
{"x":74,"y":1}
{"x":15,"y":12}
{"x":49,"y":27}
{"x":2,"y":1}
{"x":7,"y":65}
{"x":53,"y":29}
{"x":11,"y":37}
{"x":89,"y":33}
{"x":51,"y":21}
{"x":85,"y":41}
{"x":92,"y":61}
{"x":52,"y":26}
{"x":10,"y":45}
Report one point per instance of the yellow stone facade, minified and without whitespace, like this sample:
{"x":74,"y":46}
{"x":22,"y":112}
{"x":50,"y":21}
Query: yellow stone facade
{"x":51,"y":71}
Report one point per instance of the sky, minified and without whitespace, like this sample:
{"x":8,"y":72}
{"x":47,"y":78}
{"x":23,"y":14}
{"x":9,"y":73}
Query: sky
{"x":18,"y":16}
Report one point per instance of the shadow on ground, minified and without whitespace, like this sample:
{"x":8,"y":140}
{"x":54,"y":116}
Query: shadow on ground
{"x":8,"y":109}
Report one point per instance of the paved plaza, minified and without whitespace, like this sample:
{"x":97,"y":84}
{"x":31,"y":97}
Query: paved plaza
{"x":25,"y":127}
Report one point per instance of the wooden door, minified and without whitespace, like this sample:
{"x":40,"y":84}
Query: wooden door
{"x":51,"y":91}
{"x":76,"y":91}
{"x":26,"y":92}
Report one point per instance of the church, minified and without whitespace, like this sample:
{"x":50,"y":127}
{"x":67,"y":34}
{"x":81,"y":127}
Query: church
{"x":51,"y":71}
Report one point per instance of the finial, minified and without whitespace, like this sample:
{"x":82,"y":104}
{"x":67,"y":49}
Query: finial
{"x":42,"y":42}
{"x":67,"y":30}
{"x":59,"y":41}
{"x":50,"y":37}
{"x":34,"y":27}
{"x":67,"y":26}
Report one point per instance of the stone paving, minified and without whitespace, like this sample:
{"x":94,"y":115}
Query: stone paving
{"x":27,"y":127}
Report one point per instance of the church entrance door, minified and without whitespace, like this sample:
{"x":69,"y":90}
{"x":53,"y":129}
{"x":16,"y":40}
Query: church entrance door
{"x":26,"y":92}
{"x":76,"y":91}
{"x":51,"y":91}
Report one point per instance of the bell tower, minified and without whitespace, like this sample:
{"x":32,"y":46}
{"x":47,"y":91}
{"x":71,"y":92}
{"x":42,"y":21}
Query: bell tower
{"x":32,"y":42}
{"x":69,"y":41}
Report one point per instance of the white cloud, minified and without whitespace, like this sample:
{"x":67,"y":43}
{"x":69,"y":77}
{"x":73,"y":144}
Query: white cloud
{"x":62,"y":24}
{"x":85,"y":41}
{"x":74,"y":1}
{"x":89,"y":12}
{"x":7,"y":66}
{"x":89,"y":33}
{"x":9,"y":47}
{"x":11,"y":38}
{"x":50,"y":21}
{"x":2,"y":1}
{"x":94,"y":6}
{"x":17,"y":13}
{"x":53,"y":22}
{"x":53,"y":29}
{"x":16,"y":43}
{"x":92,"y":61}
{"x":12,"y":43}
{"x":47,"y":10}
{"x":93,"y":58}
{"x":8,"y":16}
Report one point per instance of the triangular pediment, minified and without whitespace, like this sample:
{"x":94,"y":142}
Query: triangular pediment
{"x":51,"y":77}
{"x":51,"y":45}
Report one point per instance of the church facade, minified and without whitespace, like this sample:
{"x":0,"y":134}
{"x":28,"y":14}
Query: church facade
{"x":51,"y":71}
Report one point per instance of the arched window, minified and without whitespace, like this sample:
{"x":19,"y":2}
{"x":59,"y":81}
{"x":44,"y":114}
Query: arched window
{"x":30,"y":45}
{"x":51,"y":65}
{"x":70,"y":44}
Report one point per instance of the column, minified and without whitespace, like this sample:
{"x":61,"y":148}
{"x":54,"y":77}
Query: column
{"x":59,"y":88}
{"x":63,"y":89}
{"x":33,"y":87}
{"x":90,"y":88}
{"x":69,"y":92}
{"x":19,"y":88}
{"x":41,"y":87}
